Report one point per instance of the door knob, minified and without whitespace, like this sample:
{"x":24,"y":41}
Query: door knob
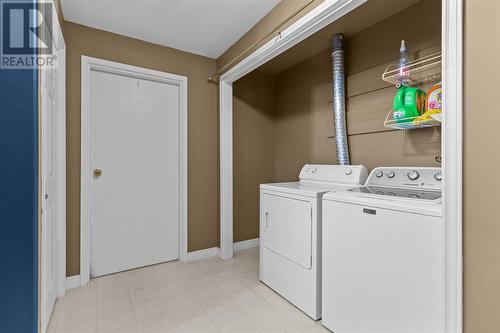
{"x":97,"y":172}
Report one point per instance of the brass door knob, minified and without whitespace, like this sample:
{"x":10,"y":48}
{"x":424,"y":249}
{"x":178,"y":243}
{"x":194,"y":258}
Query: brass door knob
{"x":97,"y":172}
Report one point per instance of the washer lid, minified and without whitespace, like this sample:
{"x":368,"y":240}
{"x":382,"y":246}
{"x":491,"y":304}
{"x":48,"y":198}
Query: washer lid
{"x":410,"y":193}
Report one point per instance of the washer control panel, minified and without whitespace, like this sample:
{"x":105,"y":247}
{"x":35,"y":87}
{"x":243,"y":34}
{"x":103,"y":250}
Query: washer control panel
{"x":429,"y":178}
{"x":348,"y":174}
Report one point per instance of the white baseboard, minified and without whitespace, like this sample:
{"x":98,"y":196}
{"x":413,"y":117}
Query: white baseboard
{"x":246,"y":244}
{"x":214,"y":251}
{"x":202,"y":254}
{"x":72,"y":282}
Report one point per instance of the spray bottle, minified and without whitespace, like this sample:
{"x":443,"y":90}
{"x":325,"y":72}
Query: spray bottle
{"x":403,"y":61}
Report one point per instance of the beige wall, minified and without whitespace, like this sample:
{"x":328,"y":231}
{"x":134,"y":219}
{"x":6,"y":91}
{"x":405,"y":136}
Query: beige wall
{"x":304,"y":120}
{"x":254,"y":99}
{"x":202,"y":127}
{"x":481,"y":165}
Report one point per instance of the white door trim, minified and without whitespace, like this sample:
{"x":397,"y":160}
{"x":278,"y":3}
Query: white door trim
{"x":324,"y":14}
{"x":88,"y":64}
{"x":452,"y":148}
{"x":226,"y":168}
{"x":61,"y":183}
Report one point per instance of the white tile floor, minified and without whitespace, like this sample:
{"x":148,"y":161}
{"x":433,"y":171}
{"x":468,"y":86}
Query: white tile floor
{"x":209,"y":295}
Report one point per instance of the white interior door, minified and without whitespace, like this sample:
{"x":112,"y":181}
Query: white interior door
{"x":52,"y":90}
{"x":134,"y":145}
{"x":49,"y":113}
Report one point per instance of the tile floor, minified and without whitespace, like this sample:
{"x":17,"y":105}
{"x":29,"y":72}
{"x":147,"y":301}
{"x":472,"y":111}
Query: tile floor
{"x":209,"y":295}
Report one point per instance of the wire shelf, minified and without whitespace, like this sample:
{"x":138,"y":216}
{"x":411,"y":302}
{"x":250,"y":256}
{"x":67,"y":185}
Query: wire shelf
{"x":412,"y":122}
{"x":419,"y":71}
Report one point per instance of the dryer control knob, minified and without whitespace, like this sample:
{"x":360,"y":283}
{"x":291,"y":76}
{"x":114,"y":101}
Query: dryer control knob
{"x":438,"y":176}
{"x":413,"y":175}
{"x":379,"y":174}
{"x":314,"y":170}
{"x":391,"y":174}
{"x":348,"y":172}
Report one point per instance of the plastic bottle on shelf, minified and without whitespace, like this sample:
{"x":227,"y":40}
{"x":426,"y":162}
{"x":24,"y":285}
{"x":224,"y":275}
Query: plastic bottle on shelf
{"x":403,"y":61}
{"x":433,"y":107}
{"x":408,"y":103}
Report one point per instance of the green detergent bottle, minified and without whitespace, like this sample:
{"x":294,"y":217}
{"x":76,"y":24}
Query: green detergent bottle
{"x":409,"y":102}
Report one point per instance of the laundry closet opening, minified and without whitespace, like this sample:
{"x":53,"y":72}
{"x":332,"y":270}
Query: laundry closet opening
{"x":282,"y":111}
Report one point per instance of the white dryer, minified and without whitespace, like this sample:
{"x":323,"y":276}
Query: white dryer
{"x":290,"y":232}
{"x":383,"y":254}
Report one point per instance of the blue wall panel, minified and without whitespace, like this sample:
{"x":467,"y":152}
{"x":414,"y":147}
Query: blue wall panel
{"x":18,"y":201}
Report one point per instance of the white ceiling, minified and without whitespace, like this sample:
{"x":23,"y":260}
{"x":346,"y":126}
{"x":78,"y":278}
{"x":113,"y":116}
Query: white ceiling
{"x":205,"y":27}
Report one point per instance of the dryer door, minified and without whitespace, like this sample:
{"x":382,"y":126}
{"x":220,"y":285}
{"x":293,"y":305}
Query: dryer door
{"x":286,"y":228}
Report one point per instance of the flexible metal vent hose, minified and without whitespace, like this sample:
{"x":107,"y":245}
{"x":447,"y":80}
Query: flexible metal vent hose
{"x":339,"y":100}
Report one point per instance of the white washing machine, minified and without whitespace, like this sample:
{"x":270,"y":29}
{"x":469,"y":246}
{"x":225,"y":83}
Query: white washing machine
{"x":290,"y":232}
{"x":383,"y":254}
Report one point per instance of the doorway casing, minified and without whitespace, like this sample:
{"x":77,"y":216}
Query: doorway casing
{"x":87,"y":65}
{"x":326,"y":13}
